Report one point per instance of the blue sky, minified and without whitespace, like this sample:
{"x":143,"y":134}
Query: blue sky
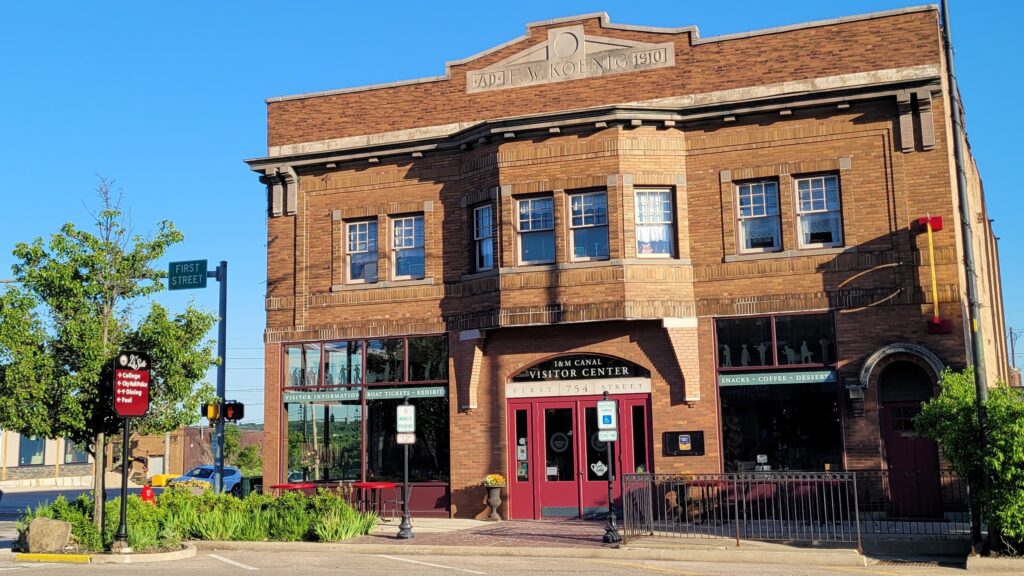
{"x":167,"y":98}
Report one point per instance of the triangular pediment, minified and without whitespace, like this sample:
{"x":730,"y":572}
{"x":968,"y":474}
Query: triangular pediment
{"x":570,"y":54}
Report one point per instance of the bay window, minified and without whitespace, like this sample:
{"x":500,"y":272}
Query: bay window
{"x":536,"y":227}
{"x":588,"y":224}
{"x":654,"y":223}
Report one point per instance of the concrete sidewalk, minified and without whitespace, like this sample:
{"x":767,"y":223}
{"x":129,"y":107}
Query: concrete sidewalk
{"x":552,"y":539}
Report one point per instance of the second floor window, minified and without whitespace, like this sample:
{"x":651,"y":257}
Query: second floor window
{"x":654,"y":223}
{"x":408,"y":248}
{"x":818,"y":212}
{"x":483,"y":238}
{"x":362,"y":251}
{"x":588,"y":222}
{"x":536,"y":231}
{"x":759,"y":229}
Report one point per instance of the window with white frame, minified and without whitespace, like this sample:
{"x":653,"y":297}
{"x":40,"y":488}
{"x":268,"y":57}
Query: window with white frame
{"x":818,"y":211}
{"x":483,"y":237}
{"x":408,"y":247}
{"x":759,"y":228}
{"x":654,"y":229}
{"x":536,"y":230}
{"x":362,"y":251}
{"x":588,"y":225}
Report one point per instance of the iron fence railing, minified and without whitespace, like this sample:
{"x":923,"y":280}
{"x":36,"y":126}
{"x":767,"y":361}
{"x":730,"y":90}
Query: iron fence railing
{"x":797,"y":506}
{"x":817,"y":507}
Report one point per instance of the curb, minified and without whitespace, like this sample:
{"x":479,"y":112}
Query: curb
{"x":837,"y":558}
{"x":188,"y":551}
{"x":986,"y":564}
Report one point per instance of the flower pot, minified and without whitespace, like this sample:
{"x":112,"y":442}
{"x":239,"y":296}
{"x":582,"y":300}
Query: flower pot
{"x":494,"y":501}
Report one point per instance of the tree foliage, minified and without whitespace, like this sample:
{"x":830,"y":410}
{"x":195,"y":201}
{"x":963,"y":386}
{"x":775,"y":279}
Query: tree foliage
{"x":951,"y":419}
{"x":78,"y":300}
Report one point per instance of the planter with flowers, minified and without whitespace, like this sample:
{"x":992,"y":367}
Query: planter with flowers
{"x":494,"y":483}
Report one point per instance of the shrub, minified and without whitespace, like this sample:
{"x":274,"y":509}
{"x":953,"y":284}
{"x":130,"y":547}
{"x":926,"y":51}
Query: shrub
{"x":147,"y":527}
{"x":951,"y":419}
{"x":289,"y":517}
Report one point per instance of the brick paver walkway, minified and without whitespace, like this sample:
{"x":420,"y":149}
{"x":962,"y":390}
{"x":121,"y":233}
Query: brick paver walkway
{"x":547,"y":533}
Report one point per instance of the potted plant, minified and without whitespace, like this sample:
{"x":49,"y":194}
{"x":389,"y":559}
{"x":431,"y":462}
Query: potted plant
{"x":494,"y":483}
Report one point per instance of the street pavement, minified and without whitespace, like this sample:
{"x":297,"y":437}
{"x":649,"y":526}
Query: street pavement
{"x":14,"y":502}
{"x":234,"y":562}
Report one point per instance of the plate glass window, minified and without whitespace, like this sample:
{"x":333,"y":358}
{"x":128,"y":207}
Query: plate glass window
{"x":75,"y":453}
{"x":31,"y":451}
{"x":759,"y":228}
{"x":362,"y":251}
{"x":483,"y":237}
{"x":588,"y":221}
{"x":408,"y":244}
{"x":654,"y":223}
{"x":536,"y":231}
{"x":818,"y":212}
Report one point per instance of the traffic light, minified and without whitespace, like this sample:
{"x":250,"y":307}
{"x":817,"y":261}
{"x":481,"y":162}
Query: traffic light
{"x":233,"y":411}
{"x":211,"y":411}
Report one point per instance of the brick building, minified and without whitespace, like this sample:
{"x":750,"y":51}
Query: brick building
{"x":721,"y":232}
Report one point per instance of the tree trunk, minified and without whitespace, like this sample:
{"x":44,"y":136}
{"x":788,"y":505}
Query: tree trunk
{"x":99,"y":481}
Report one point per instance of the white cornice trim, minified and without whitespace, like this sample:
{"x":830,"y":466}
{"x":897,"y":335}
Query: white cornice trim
{"x":606,"y":23}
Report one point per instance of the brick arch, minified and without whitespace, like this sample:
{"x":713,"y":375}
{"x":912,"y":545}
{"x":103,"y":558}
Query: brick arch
{"x":622,"y":355}
{"x":899,"y":352}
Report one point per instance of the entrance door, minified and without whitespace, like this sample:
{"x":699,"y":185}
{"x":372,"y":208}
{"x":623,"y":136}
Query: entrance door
{"x":913,"y":463}
{"x":557,"y":466}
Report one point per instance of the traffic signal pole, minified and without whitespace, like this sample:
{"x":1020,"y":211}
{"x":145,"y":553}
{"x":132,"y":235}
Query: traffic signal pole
{"x":221,"y":274}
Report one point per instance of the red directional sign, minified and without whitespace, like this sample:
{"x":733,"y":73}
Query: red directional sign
{"x":131,"y":384}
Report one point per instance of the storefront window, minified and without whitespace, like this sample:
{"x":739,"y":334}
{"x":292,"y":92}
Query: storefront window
{"x":798,"y":339}
{"x":302,"y":365}
{"x":385,"y":360}
{"x":428,"y":358}
{"x":74,"y":453}
{"x":790,"y":426}
{"x":343,"y":363}
{"x":30,"y":451}
{"x":324,"y":441}
{"x":428,"y":457}
{"x":745,"y":342}
{"x":805,"y":339}
{"x":326,"y":420}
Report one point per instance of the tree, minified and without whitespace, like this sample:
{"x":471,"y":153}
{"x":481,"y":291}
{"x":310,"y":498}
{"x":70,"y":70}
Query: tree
{"x":74,"y":306}
{"x":951,"y":419}
{"x":248,"y":460}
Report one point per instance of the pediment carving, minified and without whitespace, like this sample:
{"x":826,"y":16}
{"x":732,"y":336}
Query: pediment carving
{"x":570,"y":54}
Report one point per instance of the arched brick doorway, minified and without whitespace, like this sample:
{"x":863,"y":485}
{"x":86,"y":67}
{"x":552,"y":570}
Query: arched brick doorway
{"x":912,"y":461}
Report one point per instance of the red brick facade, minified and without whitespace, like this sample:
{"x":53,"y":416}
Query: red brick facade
{"x":861,"y":99}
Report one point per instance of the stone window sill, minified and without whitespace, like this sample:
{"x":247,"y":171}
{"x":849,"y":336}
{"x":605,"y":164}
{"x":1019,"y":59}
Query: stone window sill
{"x":376,"y":285}
{"x":790,"y":254}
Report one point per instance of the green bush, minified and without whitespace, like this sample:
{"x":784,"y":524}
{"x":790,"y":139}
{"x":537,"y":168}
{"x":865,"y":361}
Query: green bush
{"x":951,"y":419}
{"x":180,"y":514}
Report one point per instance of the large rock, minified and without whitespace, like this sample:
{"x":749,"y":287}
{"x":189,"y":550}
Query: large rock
{"x":45,"y":535}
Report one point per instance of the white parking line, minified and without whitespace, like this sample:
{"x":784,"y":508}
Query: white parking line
{"x":20,"y":567}
{"x":232,"y":562}
{"x":429,"y":564}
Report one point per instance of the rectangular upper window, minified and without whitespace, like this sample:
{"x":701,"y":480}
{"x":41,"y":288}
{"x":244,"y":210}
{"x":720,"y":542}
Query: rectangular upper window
{"x":536,"y":224}
{"x":361,"y":252}
{"x":483,"y":238}
{"x":654,"y":229}
{"x":758,"y":216}
{"x":588,"y":225}
{"x":408,"y":248}
{"x":31,"y":450}
{"x":819,"y":216}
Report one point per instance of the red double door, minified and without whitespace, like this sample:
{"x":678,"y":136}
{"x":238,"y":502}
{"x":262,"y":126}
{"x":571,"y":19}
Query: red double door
{"x":558,"y":468}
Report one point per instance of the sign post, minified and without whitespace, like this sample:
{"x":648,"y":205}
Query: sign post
{"x":608,"y":432}
{"x":188,"y":275}
{"x":131,"y":400}
{"x":406,"y":428}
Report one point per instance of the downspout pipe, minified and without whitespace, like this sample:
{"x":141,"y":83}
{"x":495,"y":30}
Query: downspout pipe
{"x":974,"y":308}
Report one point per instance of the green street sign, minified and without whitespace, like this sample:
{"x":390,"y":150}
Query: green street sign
{"x":186,"y":275}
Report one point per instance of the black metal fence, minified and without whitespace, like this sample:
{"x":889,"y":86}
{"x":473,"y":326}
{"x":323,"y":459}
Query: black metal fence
{"x":817,"y":507}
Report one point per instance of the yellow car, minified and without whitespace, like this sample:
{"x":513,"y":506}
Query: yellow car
{"x":161,"y":479}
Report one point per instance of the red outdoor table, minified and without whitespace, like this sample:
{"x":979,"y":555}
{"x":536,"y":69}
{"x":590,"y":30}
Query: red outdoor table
{"x":304,"y":487}
{"x":371,"y":493}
